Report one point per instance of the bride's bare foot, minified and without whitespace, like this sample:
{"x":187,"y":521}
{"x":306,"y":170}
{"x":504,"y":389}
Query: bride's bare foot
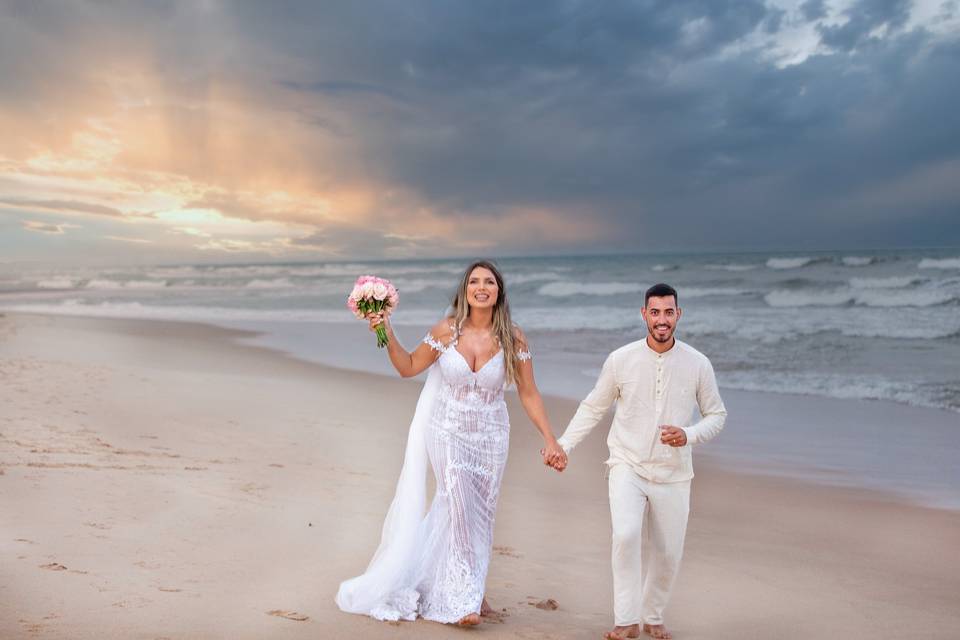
{"x":469,"y":620}
{"x":486,"y":609}
{"x":489,"y":614}
{"x":657,"y":631}
{"x":622,"y":633}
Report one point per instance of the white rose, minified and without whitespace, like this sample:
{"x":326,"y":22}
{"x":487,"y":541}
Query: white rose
{"x":367,"y":289}
{"x":380,"y":291}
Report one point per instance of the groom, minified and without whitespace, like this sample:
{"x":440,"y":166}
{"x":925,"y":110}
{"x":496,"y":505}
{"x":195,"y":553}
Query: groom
{"x":661,"y":386}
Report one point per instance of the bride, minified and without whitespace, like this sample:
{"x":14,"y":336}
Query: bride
{"x":435,"y":565}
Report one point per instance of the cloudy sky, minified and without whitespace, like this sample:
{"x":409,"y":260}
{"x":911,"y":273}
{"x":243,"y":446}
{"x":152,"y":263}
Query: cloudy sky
{"x":210,"y":131}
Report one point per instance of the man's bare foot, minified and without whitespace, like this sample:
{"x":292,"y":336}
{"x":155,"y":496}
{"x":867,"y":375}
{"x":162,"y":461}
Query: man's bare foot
{"x":469,"y":620}
{"x":622,"y":633}
{"x":657,"y":631}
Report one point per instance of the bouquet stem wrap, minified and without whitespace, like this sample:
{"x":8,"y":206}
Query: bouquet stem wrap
{"x":376,"y":306}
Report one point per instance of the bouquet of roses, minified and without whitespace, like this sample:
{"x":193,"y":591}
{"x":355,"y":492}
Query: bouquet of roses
{"x":372,"y":295}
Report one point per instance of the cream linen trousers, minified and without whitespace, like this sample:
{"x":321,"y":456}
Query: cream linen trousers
{"x":649,"y":525}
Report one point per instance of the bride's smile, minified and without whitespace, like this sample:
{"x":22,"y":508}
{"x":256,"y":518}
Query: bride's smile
{"x":482,"y":289}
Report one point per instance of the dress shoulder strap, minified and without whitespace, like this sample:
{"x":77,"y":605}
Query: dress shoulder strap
{"x":437,"y":345}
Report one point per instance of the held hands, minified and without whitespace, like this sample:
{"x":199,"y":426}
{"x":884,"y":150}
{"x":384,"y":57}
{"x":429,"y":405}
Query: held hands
{"x":672,"y":436}
{"x":554,"y":456}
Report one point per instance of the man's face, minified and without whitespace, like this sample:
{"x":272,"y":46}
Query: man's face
{"x":661,"y":315}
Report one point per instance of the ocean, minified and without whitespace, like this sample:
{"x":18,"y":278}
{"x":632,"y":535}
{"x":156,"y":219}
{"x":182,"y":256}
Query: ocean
{"x":835,"y":331}
{"x":881,"y":325}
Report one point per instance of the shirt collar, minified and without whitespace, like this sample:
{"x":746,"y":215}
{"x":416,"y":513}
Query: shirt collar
{"x":666,"y":353}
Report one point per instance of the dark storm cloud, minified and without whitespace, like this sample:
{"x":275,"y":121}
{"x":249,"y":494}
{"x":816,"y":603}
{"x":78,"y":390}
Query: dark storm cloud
{"x":341,"y":88}
{"x":352,"y":240}
{"x":667,"y":121}
{"x":813,"y":10}
{"x":637,"y":111}
{"x":863,"y":17}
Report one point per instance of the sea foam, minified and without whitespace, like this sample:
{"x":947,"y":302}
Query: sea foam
{"x":57,"y":283}
{"x":857,"y":261}
{"x":866,"y":297}
{"x":566,"y":289}
{"x":934,"y":263}
{"x":789,"y":263}
{"x":884,"y":283}
{"x":128,"y":284}
{"x":731,"y":267}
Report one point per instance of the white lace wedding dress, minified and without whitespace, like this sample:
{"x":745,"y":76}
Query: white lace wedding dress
{"x":436,"y":566}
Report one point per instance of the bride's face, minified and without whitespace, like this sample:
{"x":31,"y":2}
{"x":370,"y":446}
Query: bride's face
{"x":482,"y":289}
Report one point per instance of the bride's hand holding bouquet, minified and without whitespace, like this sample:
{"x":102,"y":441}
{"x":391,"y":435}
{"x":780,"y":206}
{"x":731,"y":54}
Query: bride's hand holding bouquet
{"x":374,"y":299}
{"x":379,"y":321}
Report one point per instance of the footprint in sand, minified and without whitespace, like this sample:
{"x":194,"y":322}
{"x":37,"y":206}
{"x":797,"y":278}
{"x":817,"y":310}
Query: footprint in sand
{"x":289,"y":615}
{"x":32,"y":627}
{"x":547,"y":605}
{"x":533,"y":635}
{"x":252,"y":488}
{"x":53,"y":566}
{"x":494,"y":617}
{"x":169,"y":589}
{"x":506,"y":551}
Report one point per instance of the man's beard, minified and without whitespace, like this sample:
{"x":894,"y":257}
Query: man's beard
{"x":653,"y":335}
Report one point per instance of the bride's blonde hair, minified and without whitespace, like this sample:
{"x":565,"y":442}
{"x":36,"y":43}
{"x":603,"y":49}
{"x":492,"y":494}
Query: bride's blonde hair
{"x":503,"y":327}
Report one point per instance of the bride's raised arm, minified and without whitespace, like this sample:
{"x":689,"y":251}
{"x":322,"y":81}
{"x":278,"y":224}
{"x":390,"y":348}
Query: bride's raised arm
{"x":411,"y":363}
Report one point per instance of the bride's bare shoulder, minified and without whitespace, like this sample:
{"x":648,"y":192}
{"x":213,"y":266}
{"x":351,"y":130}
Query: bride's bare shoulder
{"x":519,"y":337}
{"x":443,"y":330}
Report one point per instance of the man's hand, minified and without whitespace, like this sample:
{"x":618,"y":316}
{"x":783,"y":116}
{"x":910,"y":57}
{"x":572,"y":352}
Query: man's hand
{"x":554,"y":456}
{"x":673,"y":436}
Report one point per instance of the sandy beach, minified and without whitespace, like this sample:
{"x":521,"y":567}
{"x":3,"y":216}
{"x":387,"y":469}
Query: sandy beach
{"x":161,"y":480}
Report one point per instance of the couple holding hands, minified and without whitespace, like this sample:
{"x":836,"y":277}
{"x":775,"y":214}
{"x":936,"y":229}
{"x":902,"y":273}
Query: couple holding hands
{"x":435,"y":565}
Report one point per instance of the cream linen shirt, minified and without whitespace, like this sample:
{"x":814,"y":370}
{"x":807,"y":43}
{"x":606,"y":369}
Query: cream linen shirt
{"x":651,"y":389}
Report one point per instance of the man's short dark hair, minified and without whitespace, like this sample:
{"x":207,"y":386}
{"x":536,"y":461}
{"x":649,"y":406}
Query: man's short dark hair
{"x":660,"y":291}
